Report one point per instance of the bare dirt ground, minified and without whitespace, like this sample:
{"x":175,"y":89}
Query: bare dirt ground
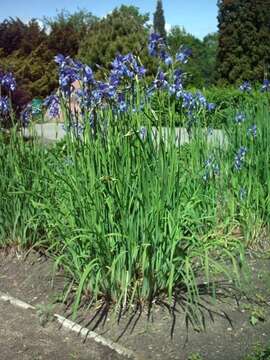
{"x":23,"y":338}
{"x":165,"y":335}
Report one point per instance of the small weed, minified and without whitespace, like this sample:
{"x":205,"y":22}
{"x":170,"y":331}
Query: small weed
{"x":45,"y":313}
{"x":259,"y":353}
{"x":195,"y":356}
{"x":256,"y":314}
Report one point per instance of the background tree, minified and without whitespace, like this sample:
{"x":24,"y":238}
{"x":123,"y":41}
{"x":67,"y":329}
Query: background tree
{"x":12,"y":32}
{"x":209,"y":61}
{"x":24,"y":51}
{"x":66,"y":31}
{"x":202,"y":64}
{"x":28,"y":50}
{"x":34,"y":35}
{"x":244,"y":39}
{"x":159,"y":20}
{"x":124,"y":30}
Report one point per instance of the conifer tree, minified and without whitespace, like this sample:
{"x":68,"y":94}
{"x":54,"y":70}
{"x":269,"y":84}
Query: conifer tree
{"x":159,"y":20}
{"x":244,"y":39}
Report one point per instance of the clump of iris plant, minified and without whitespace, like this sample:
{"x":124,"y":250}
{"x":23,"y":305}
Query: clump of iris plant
{"x":93,"y":94}
{"x":157,"y":48}
{"x":173,"y":79}
{"x":119,"y":90}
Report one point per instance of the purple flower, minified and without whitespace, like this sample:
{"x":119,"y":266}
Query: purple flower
{"x":211,"y":106}
{"x":201,"y":100}
{"x":252,"y":131}
{"x":178,"y":75}
{"x":245,"y":87}
{"x":67,"y":77}
{"x":240,"y":158}
{"x":69,"y":71}
{"x":183,"y":55}
{"x":52,"y":102}
{"x":9,"y":82}
{"x":160,"y":80}
{"x":125,"y":67}
{"x":168,"y":60}
{"x":4,"y":105}
{"x":26,"y":115}
{"x":60,"y":59}
{"x":88,"y":76}
{"x":240,"y":118}
{"x":212,"y":168}
{"x":265,"y":86}
{"x":155,"y":44}
{"x":122,"y":105}
{"x":166,"y":57}
{"x":177,"y":86}
{"x":172,"y":89}
{"x":143,"y":133}
{"x":141,"y":71}
{"x":188,"y":100}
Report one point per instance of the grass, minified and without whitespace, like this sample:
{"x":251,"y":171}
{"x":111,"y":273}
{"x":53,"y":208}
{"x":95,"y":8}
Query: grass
{"x":132,"y":219}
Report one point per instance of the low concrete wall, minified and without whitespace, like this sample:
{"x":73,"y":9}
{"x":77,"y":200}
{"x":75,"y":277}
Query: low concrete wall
{"x":55,"y":131}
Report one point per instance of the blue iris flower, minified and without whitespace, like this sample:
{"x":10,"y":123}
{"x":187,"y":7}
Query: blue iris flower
{"x":240,"y":118}
{"x":240,"y":158}
{"x":4,"y":105}
{"x":266,"y":86}
{"x":245,"y":87}
{"x":183,"y":55}
{"x":8,"y":82}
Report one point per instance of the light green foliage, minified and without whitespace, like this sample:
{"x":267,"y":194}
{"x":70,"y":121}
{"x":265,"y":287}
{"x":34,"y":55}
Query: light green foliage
{"x":195,"y":356}
{"x":66,"y":31}
{"x":202,"y":64}
{"x":122,"y":31}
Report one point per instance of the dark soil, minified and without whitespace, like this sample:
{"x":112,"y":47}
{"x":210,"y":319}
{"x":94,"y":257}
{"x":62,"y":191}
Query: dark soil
{"x":165,"y":335}
{"x":23,"y":338}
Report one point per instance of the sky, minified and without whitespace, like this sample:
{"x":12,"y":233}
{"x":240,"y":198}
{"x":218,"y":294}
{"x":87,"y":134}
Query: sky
{"x":198,"y":17}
